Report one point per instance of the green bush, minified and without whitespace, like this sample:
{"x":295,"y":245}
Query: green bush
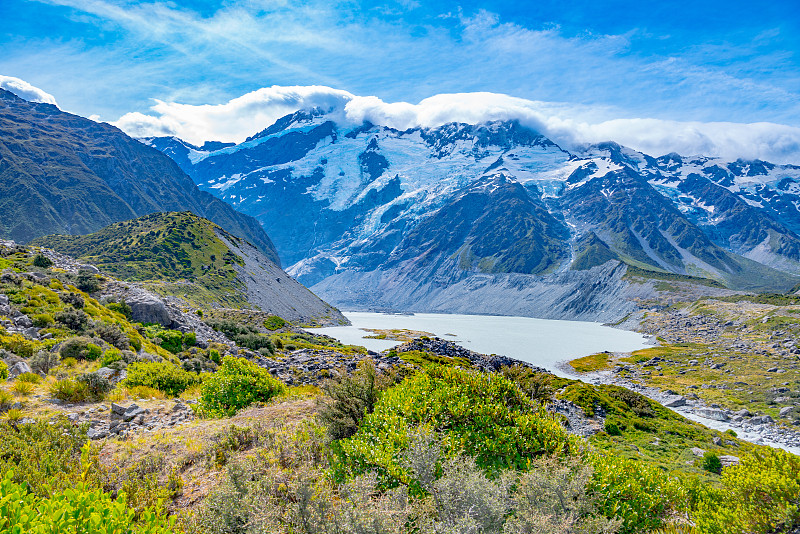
{"x":238,"y":383}
{"x":43,"y":320}
{"x":273,"y":322}
{"x":46,"y":455}
{"x":213,"y":355}
{"x":484,"y":415}
{"x":120,"y":307}
{"x":759,"y":495}
{"x":73,"y":319}
{"x":80,"y":348}
{"x":113,"y":335}
{"x":349,"y":399}
{"x":162,"y":376}
{"x":612,"y":429}
{"x":3,"y":370}
{"x":712,"y":463}
{"x":87,"y":282}
{"x":96,"y":385}
{"x":40,"y":260}
{"x":639,"y":494}
{"x":79,"y":509}
{"x":110,"y":356}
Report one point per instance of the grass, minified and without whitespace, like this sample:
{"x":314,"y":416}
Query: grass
{"x":593,"y":362}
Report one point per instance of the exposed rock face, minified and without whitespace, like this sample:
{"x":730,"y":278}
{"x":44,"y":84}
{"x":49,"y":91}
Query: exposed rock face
{"x":146,"y":307}
{"x":417,"y":212}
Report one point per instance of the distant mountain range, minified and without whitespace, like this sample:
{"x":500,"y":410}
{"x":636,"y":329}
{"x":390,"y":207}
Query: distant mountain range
{"x":372,"y":216}
{"x":64,"y":174}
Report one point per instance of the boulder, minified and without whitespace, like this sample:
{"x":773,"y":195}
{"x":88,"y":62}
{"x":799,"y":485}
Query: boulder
{"x":17,"y":369}
{"x":728,"y":460}
{"x":674,"y":401}
{"x":697,"y":451}
{"x":712,"y":413}
{"x":114,"y":376}
{"x":147,"y":308}
{"x":133,"y":412}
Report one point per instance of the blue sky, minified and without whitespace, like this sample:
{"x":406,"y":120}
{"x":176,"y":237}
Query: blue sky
{"x":702,"y":61}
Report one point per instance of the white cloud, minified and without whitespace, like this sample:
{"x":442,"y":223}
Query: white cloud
{"x":23,"y":89}
{"x":570,"y":126}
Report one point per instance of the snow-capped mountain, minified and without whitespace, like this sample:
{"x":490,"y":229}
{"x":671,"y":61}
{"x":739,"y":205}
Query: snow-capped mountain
{"x":362,"y":211}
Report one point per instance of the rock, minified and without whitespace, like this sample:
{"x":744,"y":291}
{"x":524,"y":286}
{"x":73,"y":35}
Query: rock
{"x":133,"y":412}
{"x":147,"y":308}
{"x":772,"y":370}
{"x":114,"y":376}
{"x":23,"y":321}
{"x":712,"y":413}
{"x":744,"y":412}
{"x":785,"y":411}
{"x":97,"y":433}
{"x":717,"y":441}
{"x":674,"y":401}
{"x":17,"y":369}
{"x":90,"y":268}
{"x":728,"y":460}
{"x":118,"y":410}
{"x":697,"y":451}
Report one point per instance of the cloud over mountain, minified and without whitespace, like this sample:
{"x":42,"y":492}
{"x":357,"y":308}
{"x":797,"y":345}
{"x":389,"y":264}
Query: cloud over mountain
{"x":23,"y":89}
{"x":566,"y":124}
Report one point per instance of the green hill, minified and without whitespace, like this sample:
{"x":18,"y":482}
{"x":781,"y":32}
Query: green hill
{"x":186,"y":256}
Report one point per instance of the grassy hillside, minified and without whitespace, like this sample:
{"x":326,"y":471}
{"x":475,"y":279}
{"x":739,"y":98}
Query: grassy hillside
{"x":177,"y":253}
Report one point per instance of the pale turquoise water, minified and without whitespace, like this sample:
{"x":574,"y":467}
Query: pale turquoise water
{"x":540,"y":342}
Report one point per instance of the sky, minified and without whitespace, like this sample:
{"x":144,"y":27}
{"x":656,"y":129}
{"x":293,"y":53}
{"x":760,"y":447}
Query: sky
{"x":715,"y":77}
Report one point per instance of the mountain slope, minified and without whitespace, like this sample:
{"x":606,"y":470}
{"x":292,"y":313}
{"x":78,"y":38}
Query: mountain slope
{"x":184,"y":255}
{"x":427,"y":210}
{"x":60,"y":173}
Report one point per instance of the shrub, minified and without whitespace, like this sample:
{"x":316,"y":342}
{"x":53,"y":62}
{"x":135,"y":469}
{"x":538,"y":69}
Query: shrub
{"x":640,"y":495}
{"x":40,"y":260}
{"x":69,"y":363}
{"x":612,"y":429}
{"x":80,"y":348}
{"x":189,"y":339}
{"x":759,"y":495}
{"x":96,"y":385}
{"x":273,"y":322}
{"x":349,"y":399}
{"x":87,"y":282}
{"x":485,"y":415}
{"x":73,"y":299}
{"x":120,"y":307}
{"x":44,"y":361}
{"x":538,"y":385}
{"x":162,"y":376}
{"x":67,"y":390}
{"x":72,"y":318}
{"x":45,"y":455}
{"x":76,"y":509}
{"x":3,"y":370}
{"x":238,"y":383}
{"x":113,"y":335}
{"x":14,"y":416}
{"x":43,"y":320}
{"x":213,"y":355}
{"x":110,"y":356}
{"x":712,"y":463}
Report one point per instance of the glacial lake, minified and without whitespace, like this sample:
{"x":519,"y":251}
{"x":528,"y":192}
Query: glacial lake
{"x":541,"y":342}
